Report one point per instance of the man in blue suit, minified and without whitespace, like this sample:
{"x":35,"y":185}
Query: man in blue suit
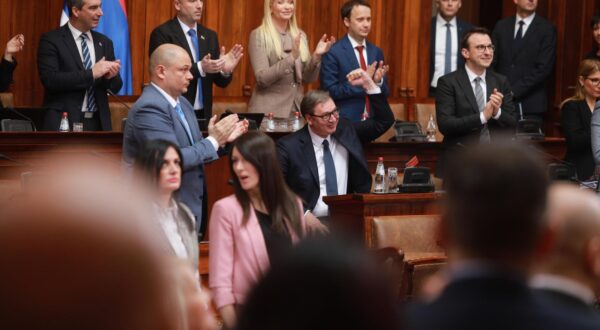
{"x":444,"y":52}
{"x":162,"y":112}
{"x":351,"y":52}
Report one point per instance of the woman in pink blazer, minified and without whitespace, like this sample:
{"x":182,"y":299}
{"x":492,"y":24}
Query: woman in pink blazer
{"x":249,"y":230}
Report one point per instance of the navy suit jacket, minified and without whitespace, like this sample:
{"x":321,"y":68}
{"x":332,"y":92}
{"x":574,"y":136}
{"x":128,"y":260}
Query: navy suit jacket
{"x":65,"y":80}
{"x":299,"y":164}
{"x":462,"y":28}
{"x":526,"y":64}
{"x":171,"y":32}
{"x":151,"y":118}
{"x":335,"y":65}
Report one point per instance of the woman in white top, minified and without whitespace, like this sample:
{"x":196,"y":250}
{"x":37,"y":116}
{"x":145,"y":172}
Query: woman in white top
{"x":281,"y":60}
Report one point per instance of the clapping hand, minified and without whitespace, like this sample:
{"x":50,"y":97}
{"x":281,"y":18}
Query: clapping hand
{"x":232,"y":58}
{"x":212,"y":66}
{"x":223,"y":129}
{"x":324,"y":45}
{"x":240,"y":128}
{"x":380,"y":72}
{"x":13,"y":46}
{"x":360,"y":77}
{"x":296,"y":46}
{"x":106,"y":69}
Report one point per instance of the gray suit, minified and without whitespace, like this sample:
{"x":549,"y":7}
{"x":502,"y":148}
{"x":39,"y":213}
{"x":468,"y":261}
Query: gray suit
{"x":151,"y":118}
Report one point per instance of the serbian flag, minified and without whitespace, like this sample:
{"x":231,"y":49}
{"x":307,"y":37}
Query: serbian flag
{"x":413,"y":162}
{"x":114,"y":25}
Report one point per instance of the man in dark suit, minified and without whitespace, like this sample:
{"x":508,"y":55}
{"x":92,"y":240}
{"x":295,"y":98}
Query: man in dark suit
{"x":526,"y":51}
{"x":492,"y":227}
{"x":8,"y":63}
{"x":473,"y":103}
{"x":161,"y":113}
{"x":569,"y":276}
{"x":326,"y":157}
{"x":352,"y":52}
{"x":210,"y":65}
{"x":77,"y":66}
{"x":446,"y":32}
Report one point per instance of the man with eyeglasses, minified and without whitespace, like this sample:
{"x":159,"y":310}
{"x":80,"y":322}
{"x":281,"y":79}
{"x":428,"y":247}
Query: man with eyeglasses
{"x":473,"y":104}
{"x":326,"y":157}
{"x":526,"y":51}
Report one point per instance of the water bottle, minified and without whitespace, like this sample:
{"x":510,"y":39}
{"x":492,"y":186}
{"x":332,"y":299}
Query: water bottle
{"x":431,"y":129}
{"x":270,"y":122}
{"x":379,"y":187}
{"x":64,"y":123}
{"x":296,"y":121}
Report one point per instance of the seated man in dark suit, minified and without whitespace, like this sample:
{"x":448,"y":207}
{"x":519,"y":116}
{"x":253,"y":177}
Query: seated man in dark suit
{"x":326,"y":157}
{"x":8,"y":64}
{"x":569,"y":275}
{"x":492,"y":227}
{"x":473,"y":103}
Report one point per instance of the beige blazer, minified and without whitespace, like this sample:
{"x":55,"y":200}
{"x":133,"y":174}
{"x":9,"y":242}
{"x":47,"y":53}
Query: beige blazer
{"x":279,"y":81}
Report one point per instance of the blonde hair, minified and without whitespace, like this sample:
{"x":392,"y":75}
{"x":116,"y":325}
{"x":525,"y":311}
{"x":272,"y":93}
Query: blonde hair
{"x":269,"y":36}
{"x":586,"y":68}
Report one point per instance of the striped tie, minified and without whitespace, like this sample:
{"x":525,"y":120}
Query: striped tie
{"x":87,"y":63}
{"x":485,"y":132}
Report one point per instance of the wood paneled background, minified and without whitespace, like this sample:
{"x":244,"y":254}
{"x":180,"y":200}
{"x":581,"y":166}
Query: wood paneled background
{"x":400,"y":27}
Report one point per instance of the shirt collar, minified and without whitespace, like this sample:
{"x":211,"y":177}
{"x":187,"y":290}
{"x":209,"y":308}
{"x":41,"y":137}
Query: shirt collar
{"x":76,"y":33}
{"x":472,"y":75}
{"x":316,"y":139}
{"x":170,"y":99}
{"x":355,"y":43}
{"x":527,"y":19}
{"x":564,"y":285}
{"x":187,"y":28}
{"x":441,"y":21}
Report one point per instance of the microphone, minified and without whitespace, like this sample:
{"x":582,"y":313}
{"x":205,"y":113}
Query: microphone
{"x":119,"y":100}
{"x":11,"y":109}
{"x":566,"y":163}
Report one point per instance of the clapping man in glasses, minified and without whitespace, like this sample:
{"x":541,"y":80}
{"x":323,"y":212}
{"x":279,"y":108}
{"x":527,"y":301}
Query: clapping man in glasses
{"x":326,"y":157}
{"x":473,"y":104}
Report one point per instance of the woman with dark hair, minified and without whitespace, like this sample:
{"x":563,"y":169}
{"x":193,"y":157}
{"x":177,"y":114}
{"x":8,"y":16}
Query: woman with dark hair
{"x":594,"y":54}
{"x":160,"y":164}
{"x":576,"y":115}
{"x":251,"y":229}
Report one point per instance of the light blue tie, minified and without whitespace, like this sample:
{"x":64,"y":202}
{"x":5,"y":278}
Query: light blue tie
{"x":185,"y":122}
{"x":330,"y":176}
{"x":448,"y":58}
{"x":87,"y":63}
{"x":194,"y":37}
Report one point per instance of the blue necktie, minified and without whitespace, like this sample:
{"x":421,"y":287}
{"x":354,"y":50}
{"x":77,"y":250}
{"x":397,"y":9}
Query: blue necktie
{"x":185,"y":122}
{"x":448,"y":58}
{"x":194,"y":37}
{"x":330,"y":176}
{"x":87,"y":63}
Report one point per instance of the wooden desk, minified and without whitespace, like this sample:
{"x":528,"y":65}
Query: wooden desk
{"x":352,"y":213}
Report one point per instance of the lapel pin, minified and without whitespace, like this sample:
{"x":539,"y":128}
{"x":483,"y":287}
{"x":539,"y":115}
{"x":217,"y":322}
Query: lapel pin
{"x":99,"y":43}
{"x":202,"y":37}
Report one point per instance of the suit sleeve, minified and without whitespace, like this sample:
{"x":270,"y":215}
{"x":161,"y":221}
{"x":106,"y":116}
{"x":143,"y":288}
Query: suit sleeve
{"x":382,"y":119}
{"x":116,"y":82}
{"x":449,"y":122}
{"x":330,"y":71}
{"x":577,"y":135}
{"x":543,"y":66}
{"x":221,"y":245}
{"x":153,"y":123}
{"x":52,"y":78}
{"x":6,"y":73}
{"x":157,"y":38}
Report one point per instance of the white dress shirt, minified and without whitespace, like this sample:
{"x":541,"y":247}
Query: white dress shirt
{"x":483,"y":84}
{"x":340,"y":160}
{"x":527,"y":20}
{"x":90,"y":43}
{"x":440,"y":47}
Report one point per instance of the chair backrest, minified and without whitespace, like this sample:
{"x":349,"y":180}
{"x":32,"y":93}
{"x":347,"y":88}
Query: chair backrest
{"x":410,"y":233}
{"x":399,"y":111}
{"x":237,"y":107}
{"x":7,"y":99}
{"x":16,"y":125}
{"x":118,"y":111}
{"x":422,"y":113}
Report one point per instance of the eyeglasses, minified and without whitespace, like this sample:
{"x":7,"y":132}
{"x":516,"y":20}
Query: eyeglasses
{"x":327,"y":116}
{"x":482,"y":48}
{"x":594,"y":81}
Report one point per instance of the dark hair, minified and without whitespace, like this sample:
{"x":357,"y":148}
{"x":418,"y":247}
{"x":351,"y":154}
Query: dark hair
{"x":341,"y":283}
{"x":495,"y":200}
{"x":347,"y":7}
{"x":282,"y":204}
{"x":311,"y":100}
{"x":74,"y":3}
{"x":151,"y":157}
{"x":464,"y":42}
{"x":595,"y":20}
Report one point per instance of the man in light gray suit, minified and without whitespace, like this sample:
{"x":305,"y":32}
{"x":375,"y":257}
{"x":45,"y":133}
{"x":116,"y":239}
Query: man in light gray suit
{"x":162,"y":113}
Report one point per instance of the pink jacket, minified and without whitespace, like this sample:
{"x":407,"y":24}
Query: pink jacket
{"x":238,"y":254}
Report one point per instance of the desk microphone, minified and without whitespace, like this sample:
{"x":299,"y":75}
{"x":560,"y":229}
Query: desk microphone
{"x":119,"y":100}
{"x":11,"y":109}
{"x":566,"y":163}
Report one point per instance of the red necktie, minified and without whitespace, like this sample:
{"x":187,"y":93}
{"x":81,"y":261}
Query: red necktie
{"x":363,"y":65}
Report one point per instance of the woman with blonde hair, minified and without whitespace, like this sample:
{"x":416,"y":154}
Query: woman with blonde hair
{"x":281,"y":60}
{"x":576,"y":115}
